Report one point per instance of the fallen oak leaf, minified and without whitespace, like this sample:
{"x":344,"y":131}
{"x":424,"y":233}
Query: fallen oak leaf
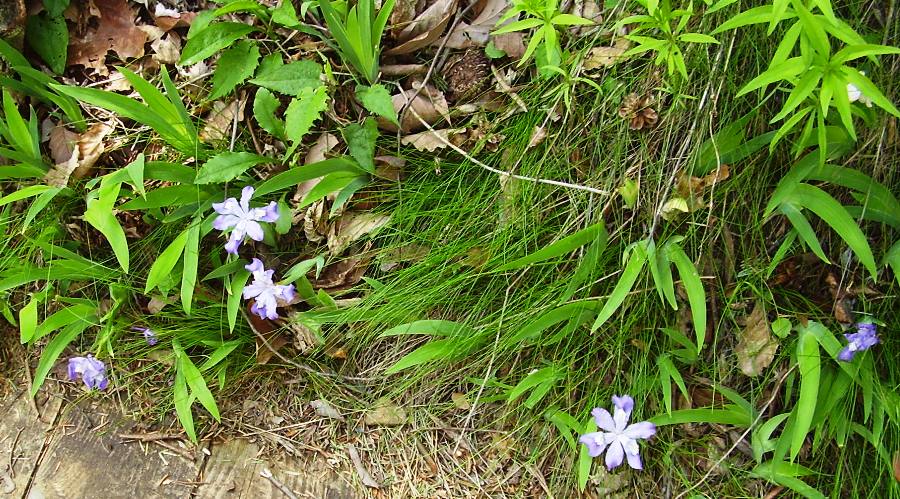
{"x":84,"y":153}
{"x":115,"y":31}
{"x":351,"y":227}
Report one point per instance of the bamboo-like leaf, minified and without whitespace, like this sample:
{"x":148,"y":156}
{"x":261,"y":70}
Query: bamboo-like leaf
{"x":810,"y":369}
{"x":693,"y":286}
{"x":596,"y":232}
{"x":629,"y":276}
{"x":166,"y":261}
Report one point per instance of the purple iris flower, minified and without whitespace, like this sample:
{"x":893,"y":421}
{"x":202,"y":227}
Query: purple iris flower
{"x":91,"y":370}
{"x":617,"y":437}
{"x":865,"y":337}
{"x":148,"y":333}
{"x":242,"y":219}
{"x":266,"y":293}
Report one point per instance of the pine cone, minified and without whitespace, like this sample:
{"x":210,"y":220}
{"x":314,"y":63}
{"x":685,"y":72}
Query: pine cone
{"x":636,"y":109}
{"x":467,"y":75}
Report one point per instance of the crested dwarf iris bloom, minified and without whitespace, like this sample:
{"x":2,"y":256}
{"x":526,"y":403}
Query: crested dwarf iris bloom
{"x":266,"y":293}
{"x":91,"y":370}
{"x":148,"y":333}
{"x":617,"y":437}
{"x":242,"y":219}
{"x":865,"y":337}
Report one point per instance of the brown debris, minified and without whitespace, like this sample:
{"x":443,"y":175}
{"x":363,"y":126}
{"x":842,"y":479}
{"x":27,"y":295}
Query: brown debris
{"x":115,"y":31}
{"x":756,"y":349}
{"x":467,"y":75}
{"x":74,"y":154}
{"x":636,"y":109}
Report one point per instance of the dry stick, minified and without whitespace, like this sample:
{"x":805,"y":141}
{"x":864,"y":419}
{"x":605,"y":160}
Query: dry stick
{"x":501,"y":172}
{"x":265,"y":473}
{"x":759,"y":416}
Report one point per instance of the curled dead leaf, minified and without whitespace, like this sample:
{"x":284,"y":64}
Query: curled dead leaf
{"x":756,"y":349}
{"x":429,"y":140}
{"x":83,"y":152}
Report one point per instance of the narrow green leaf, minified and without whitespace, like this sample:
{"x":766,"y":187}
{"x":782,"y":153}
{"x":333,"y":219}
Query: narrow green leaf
{"x":697,"y":38}
{"x":28,"y":318}
{"x":730,"y":416}
{"x":183,"y":402}
{"x":810,"y":370}
{"x":100,"y":214}
{"x":53,"y":350}
{"x":303,"y":173}
{"x":191,"y":259}
{"x":165,"y":263}
{"x":233,"y":305}
{"x":804,"y":230}
{"x":693,"y":286}
{"x":626,"y":281}
{"x":431,"y":327}
{"x":197,"y":384}
{"x":596,"y":232}
{"x":660,"y":270}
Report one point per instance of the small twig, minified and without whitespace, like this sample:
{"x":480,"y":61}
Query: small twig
{"x":361,"y":470}
{"x":12,"y":453}
{"x":265,"y":473}
{"x":501,"y":172}
{"x":177,"y":450}
{"x":737,"y":441}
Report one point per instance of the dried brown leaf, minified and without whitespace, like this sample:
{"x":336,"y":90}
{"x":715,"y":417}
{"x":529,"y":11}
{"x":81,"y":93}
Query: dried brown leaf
{"x":756,"y":348}
{"x":361,"y":470}
{"x":113,"y":30}
{"x":434,"y":18}
{"x":385,"y":413}
{"x":460,"y":401}
{"x":351,"y":227}
{"x":88,"y":148}
{"x":600,"y":57}
{"x":429,"y":140}
{"x":219,"y":121}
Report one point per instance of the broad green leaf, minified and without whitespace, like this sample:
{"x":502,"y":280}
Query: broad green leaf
{"x":377,"y":100}
{"x":227,"y":166}
{"x":235,"y":65}
{"x":290,"y":79}
{"x":166,"y":197}
{"x":301,"y":113}
{"x":100,"y":214}
{"x":693,"y":286}
{"x":219,"y":354}
{"x":836,"y":216}
{"x":52,"y":351}
{"x":28,"y":318}
{"x":61,"y":318}
{"x":853,"y":52}
{"x":892,"y":258}
{"x":265,"y":105}
{"x":810,"y":369}
{"x":212,"y":39}
{"x":431,"y":327}
{"x":284,"y":222}
{"x":286,"y":15}
{"x":166,"y":262}
{"x":565,"y":423}
{"x":191,"y":259}
{"x":48,"y":36}
{"x":568,"y":244}
{"x":303,"y":173}
{"x":360,"y":140}
{"x":629,"y":276}
{"x":877,"y":196}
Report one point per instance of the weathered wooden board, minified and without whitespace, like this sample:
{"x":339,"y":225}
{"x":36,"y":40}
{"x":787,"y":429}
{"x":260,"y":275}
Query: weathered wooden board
{"x":86,"y":458}
{"x":22,"y":437}
{"x":233,"y":471}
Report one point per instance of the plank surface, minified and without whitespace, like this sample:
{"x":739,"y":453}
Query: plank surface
{"x":233,"y":471}
{"x":86,"y":458}
{"x":22,"y":436}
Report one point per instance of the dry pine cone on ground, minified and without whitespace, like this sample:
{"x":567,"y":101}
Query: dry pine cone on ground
{"x":636,"y":109}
